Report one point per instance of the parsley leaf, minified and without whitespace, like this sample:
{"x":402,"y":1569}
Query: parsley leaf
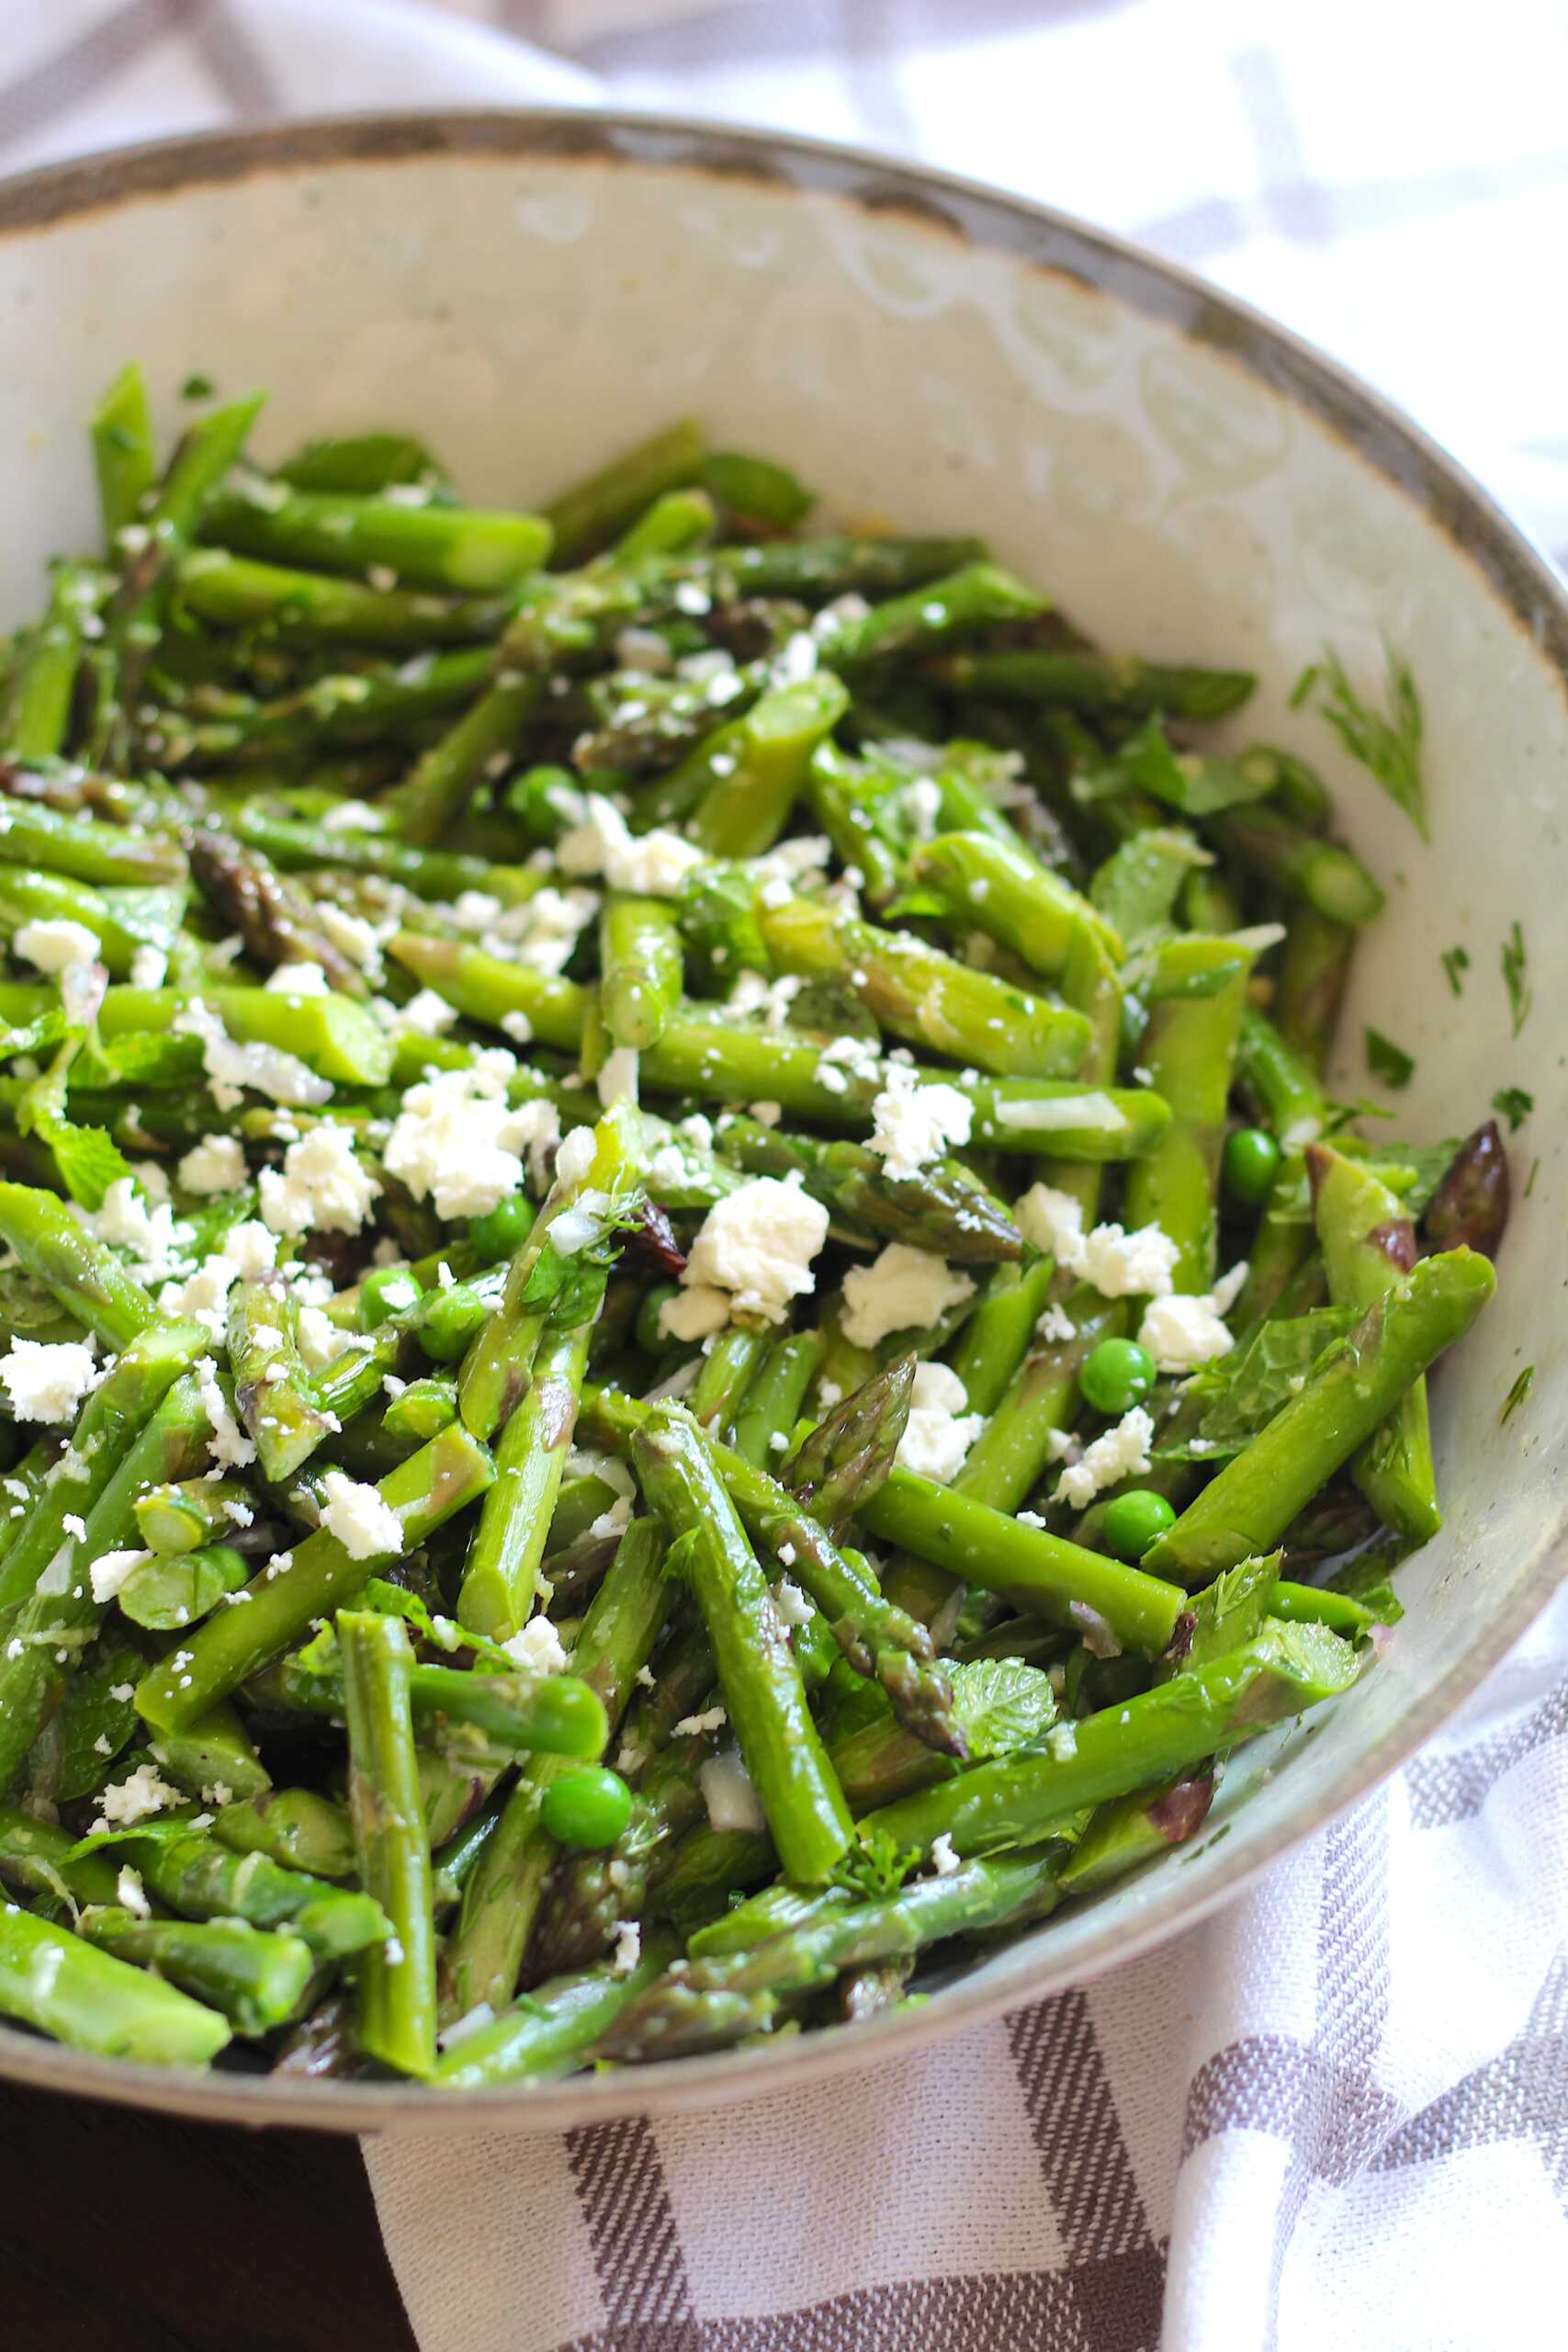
{"x":1512,"y":1103}
{"x":1518,"y":1393}
{"x":1388,"y":1061}
{"x":1522,"y":996}
{"x":1455,"y":962}
{"x":1387,"y":745}
{"x":878,"y":1866}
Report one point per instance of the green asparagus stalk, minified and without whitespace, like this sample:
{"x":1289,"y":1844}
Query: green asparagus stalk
{"x":1196,"y":1003}
{"x":925,"y":996}
{"x":1367,"y":1243}
{"x":641,"y":972}
{"x":256,"y":1980}
{"x":1351,"y":1391}
{"x":421,"y":1493}
{"x":55,"y":1983}
{"x":715,"y":2001}
{"x":757,"y":1671}
{"x":397,"y":1979}
{"x":1285,"y":1670}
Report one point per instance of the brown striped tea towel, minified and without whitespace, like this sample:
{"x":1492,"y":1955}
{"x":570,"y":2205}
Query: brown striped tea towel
{"x":1336,"y":2114}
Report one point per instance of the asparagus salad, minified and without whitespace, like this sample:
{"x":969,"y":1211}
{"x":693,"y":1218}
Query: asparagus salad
{"x":684,"y":1319}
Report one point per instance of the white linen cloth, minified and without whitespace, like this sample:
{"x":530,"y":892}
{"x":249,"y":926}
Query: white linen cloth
{"x":1337,"y":2113}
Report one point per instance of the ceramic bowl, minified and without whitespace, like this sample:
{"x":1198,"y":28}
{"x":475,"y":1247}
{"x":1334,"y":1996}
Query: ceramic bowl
{"x":533,"y":290}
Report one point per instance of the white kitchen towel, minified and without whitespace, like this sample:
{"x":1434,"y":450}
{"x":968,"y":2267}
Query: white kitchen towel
{"x":1338,"y":2113}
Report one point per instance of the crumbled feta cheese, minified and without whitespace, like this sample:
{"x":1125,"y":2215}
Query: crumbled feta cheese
{"x":1051,"y":1221}
{"x":900,"y":1289}
{"x":518,"y":1027}
{"x":1127,"y":1265}
{"x":152,"y":1235}
{"x":713,"y":1719}
{"x":730,"y":1794}
{"x":458,"y":1143}
{"x":56,"y":946}
{"x":142,"y":1792}
{"x":617,"y":1081}
{"x":771,"y":999}
{"x":425,"y":1015}
{"x":110,"y":1572}
{"x":1056,"y":1324}
{"x":766,"y":1114}
{"x":1182,"y":1332}
{"x":945,"y":1862}
{"x":649,"y":865}
{"x":353,"y":937}
{"x":368,"y":1528}
{"x":629,"y":1948}
{"x":913,"y":1124}
{"x":695,"y":1313}
{"x":793,"y":1605}
{"x":938,"y":1433}
{"x":228,"y":1445}
{"x":354,"y":815}
{"x":922,"y":804}
{"x":129,"y":1895}
{"x":758,"y":1244}
{"x":217,"y":1164}
{"x":537,"y":1648}
{"x":575,"y":1157}
{"x":322,"y":1187}
{"x":204,"y":1294}
{"x":546,"y":927}
{"x":1117,"y":1263}
{"x":230,"y":1068}
{"x":148,"y":968}
{"x":859,"y":1055}
{"x":1119,"y":1453}
{"x":1228,"y":1289}
{"x":47,"y":1380}
{"x":303,"y":978}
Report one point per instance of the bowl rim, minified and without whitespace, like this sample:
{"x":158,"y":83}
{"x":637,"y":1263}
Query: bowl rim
{"x":1056,"y":244}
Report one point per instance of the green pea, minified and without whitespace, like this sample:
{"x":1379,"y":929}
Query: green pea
{"x":1134,"y":1520}
{"x":390,"y":1291}
{"x":649,"y":1337}
{"x":503,"y":1230}
{"x":1115,"y":1376}
{"x":1251,"y":1164}
{"x":587,"y":1808}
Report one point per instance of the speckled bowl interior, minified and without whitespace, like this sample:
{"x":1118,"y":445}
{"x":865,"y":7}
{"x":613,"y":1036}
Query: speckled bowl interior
{"x":532,"y":292}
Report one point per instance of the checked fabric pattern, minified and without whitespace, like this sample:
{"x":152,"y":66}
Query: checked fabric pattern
{"x":1337,"y":2114}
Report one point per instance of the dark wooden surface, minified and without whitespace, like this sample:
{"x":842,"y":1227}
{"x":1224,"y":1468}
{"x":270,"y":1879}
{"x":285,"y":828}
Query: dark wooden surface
{"x":128,"y":2233}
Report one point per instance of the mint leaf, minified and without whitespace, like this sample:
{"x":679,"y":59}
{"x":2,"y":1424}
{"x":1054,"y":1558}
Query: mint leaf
{"x":1001,"y":1704}
{"x":1455,"y":962}
{"x":88,"y":1159}
{"x":1516,"y":1393}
